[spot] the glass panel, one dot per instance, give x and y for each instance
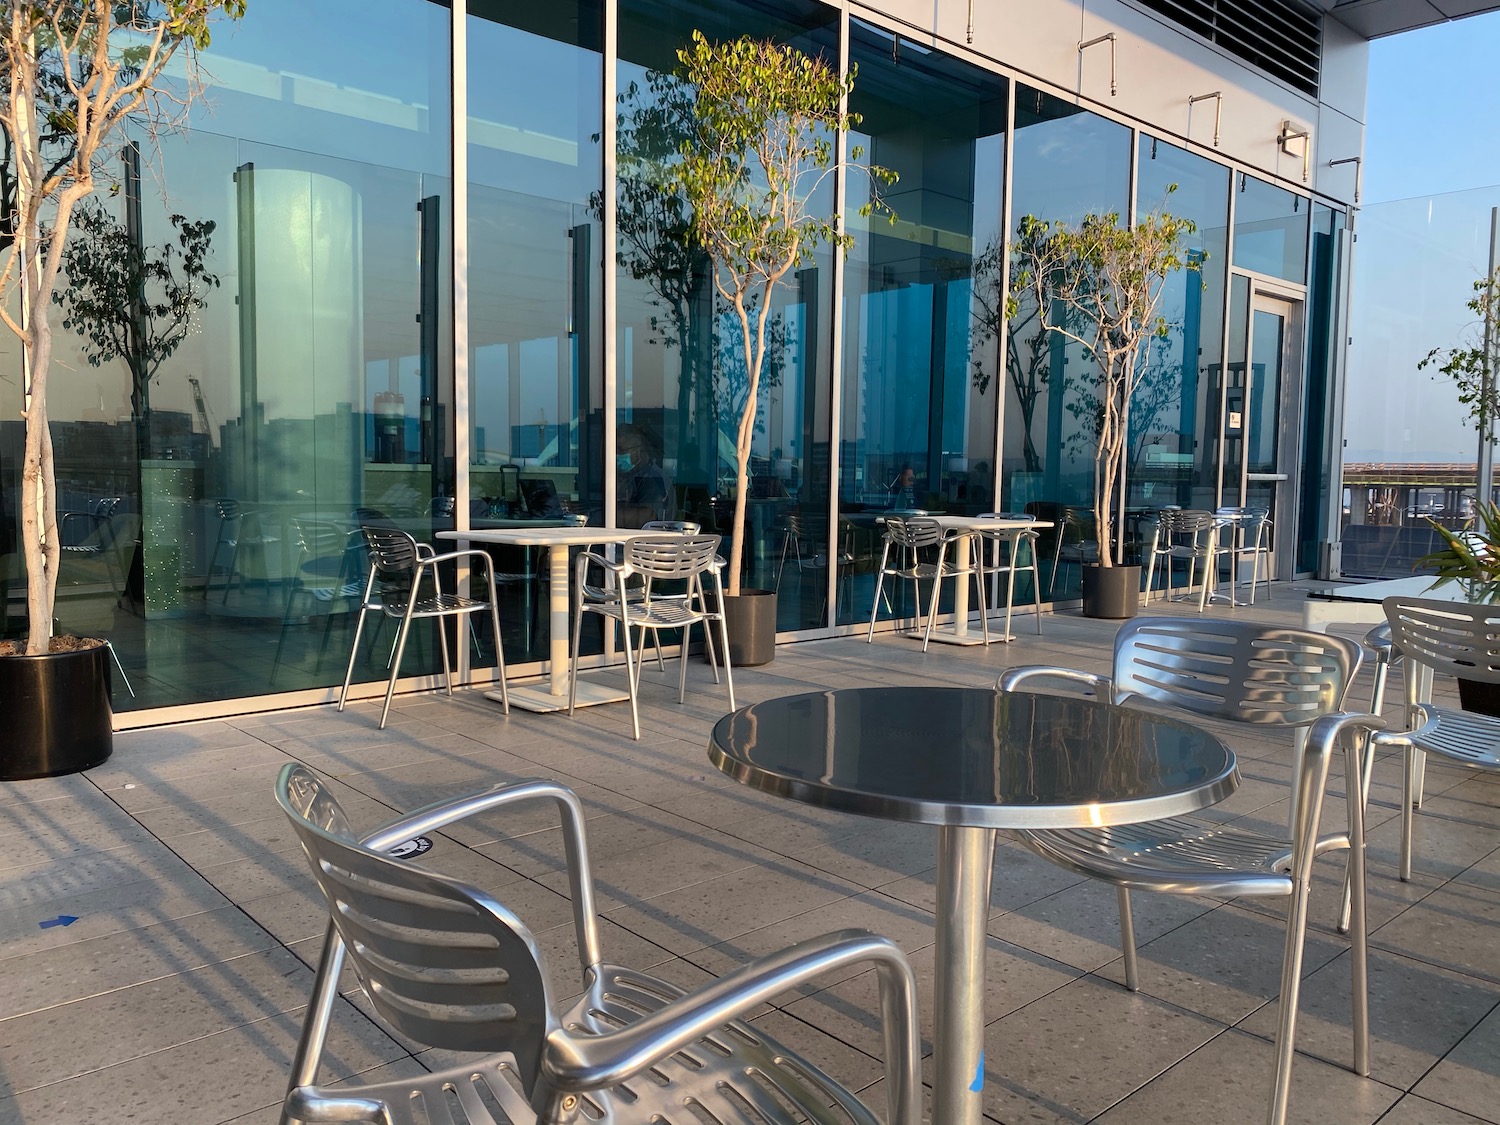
(1267, 341)
(681, 363)
(1270, 230)
(1411, 445)
(1067, 163)
(536, 377)
(1230, 405)
(1171, 429)
(918, 411)
(210, 502)
(1320, 424)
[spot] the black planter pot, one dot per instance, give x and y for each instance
(1478, 696)
(750, 618)
(57, 713)
(1111, 591)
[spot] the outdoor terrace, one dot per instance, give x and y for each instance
(177, 993)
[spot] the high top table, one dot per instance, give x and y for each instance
(970, 761)
(959, 633)
(557, 540)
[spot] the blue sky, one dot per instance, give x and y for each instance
(1433, 104)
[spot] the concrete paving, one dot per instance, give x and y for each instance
(160, 923)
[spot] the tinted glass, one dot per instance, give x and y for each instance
(918, 410)
(1270, 230)
(682, 374)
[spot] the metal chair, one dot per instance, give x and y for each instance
(327, 571)
(799, 532)
(98, 538)
(1462, 640)
(449, 966)
(1258, 675)
(1077, 540)
(1380, 645)
(911, 537)
(398, 564)
(654, 558)
(1013, 541)
(1184, 533)
(1249, 533)
(238, 529)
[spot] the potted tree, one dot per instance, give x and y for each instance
(1473, 558)
(765, 128)
(1099, 284)
(76, 71)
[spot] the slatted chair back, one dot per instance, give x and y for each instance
(1453, 637)
(671, 556)
(913, 533)
(1234, 670)
(318, 539)
(227, 509)
(442, 962)
(1187, 524)
(392, 551)
(677, 527)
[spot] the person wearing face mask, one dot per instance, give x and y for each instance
(644, 489)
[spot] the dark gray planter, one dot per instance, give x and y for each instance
(1479, 696)
(750, 618)
(1111, 591)
(57, 713)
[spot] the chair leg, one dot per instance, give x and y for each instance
(1127, 940)
(359, 628)
(724, 639)
(573, 662)
(442, 640)
(1010, 595)
(499, 651)
(1367, 765)
(632, 671)
(1359, 967)
(1151, 576)
(1036, 591)
(984, 603)
(682, 659)
(879, 584)
(1291, 988)
(120, 668)
(1377, 690)
(1408, 813)
(390, 685)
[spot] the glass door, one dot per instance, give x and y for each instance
(1259, 436)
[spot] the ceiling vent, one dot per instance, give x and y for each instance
(1281, 38)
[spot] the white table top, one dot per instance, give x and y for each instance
(549, 536)
(978, 523)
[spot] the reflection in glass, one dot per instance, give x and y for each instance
(681, 374)
(1320, 425)
(1270, 230)
(536, 381)
(1166, 463)
(1068, 163)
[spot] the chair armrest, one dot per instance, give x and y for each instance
(1016, 679)
(573, 1065)
(433, 557)
(580, 876)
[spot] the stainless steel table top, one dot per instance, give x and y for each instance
(974, 757)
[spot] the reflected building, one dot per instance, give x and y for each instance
(453, 289)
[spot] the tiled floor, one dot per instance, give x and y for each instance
(175, 992)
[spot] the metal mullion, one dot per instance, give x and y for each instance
(836, 350)
(1002, 337)
(458, 100)
(1124, 467)
(1228, 303)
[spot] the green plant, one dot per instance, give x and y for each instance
(766, 123)
(1472, 367)
(1468, 555)
(75, 71)
(1100, 284)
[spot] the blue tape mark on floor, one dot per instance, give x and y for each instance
(60, 920)
(978, 1084)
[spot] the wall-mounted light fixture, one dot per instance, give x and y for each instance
(1359, 170)
(1289, 133)
(1110, 39)
(1218, 97)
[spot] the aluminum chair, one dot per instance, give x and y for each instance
(800, 532)
(1462, 640)
(1077, 540)
(1379, 644)
(1020, 544)
(911, 537)
(1184, 533)
(447, 965)
(1246, 531)
(1257, 675)
(394, 588)
(655, 558)
(98, 539)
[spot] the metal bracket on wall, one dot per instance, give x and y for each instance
(1109, 38)
(1218, 97)
(1290, 133)
(1359, 171)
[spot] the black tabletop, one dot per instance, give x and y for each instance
(974, 756)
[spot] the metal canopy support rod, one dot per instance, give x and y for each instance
(1218, 97)
(1289, 134)
(1109, 38)
(1359, 171)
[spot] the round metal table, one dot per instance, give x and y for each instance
(971, 760)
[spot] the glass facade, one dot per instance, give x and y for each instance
(211, 503)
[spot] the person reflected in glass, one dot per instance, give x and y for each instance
(645, 488)
(904, 488)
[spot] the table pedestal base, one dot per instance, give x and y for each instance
(948, 635)
(541, 700)
(966, 859)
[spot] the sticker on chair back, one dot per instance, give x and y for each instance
(410, 849)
